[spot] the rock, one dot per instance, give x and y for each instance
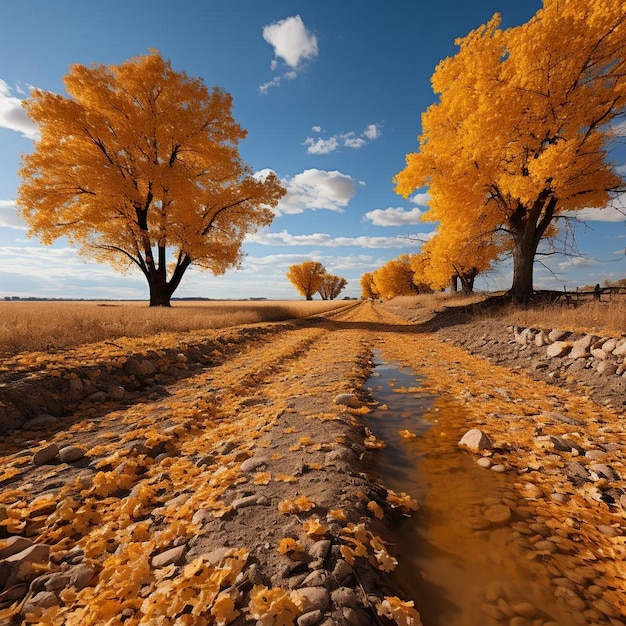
(320, 549)
(562, 444)
(13, 545)
(318, 578)
(241, 503)
(39, 422)
(201, 516)
(56, 582)
(347, 399)
(42, 600)
(484, 462)
(580, 348)
(620, 348)
(69, 454)
(606, 368)
(45, 455)
(498, 467)
(558, 349)
(81, 575)
(475, 440)
(249, 465)
(310, 619)
(610, 531)
(21, 563)
(173, 555)
(525, 609)
(340, 454)
(541, 339)
(118, 393)
(557, 335)
(316, 598)
(139, 368)
(576, 473)
(345, 596)
(498, 514)
(341, 571)
(604, 471)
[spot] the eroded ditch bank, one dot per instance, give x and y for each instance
(473, 554)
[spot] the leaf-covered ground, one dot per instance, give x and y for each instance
(230, 485)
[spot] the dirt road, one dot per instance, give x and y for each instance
(224, 477)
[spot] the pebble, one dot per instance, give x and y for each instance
(347, 399)
(39, 422)
(69, 454)
(475, 440)
(310, 619)
(498, 467)
(43, 600)
(317, 597)
(320, 549)
(341, 571)
(45, 455)
(498, 514)
(173, 555)
(249, 465)
(13, 545)
(484, 462)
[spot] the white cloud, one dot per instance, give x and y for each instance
(316, 189)
(394, 216)
(321, 146)
(291, 40)
(324, 240)
(293, 44)
(614, 211)
(348, 140)
(12, 114)
(9, 217)
(421, 198)
(372, 131)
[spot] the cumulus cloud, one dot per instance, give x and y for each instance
(12, 114)
(614, 211)
(9, 217)
(293, 44)
(321, 146)
(394, 216)
(315, 189)
(422, 199)
(324, 240)
(347, 140)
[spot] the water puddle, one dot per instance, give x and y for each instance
(458, 556)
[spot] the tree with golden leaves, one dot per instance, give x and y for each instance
(307, 277)
(395, 278)
(525, 117)
(140, 167)
(331, 286)
(368, 289)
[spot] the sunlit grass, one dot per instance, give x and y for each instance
(608, 315)
(52, 326)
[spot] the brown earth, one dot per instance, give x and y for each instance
(233, 481)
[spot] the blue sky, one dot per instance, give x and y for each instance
(331, 95)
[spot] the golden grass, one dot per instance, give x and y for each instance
(53, 326)
(607, 316)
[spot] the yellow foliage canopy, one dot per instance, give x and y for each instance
(138, 164)
(307, 277)
(520, 132)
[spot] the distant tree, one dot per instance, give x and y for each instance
(368, 289)
(395, 278)
(524, 123)
(331, 286)
(140, 166)
(307, 277)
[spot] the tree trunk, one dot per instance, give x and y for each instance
(160, 292)
(524, 250)
(309, 296)
(467, 281)
(454, 283)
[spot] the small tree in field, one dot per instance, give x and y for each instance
(140, 166)
(368, 288)
(332, 286)
(307, 277)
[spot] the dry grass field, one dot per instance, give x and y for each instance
(608, 315)
(51, 326)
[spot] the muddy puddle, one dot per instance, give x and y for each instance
(458, 557)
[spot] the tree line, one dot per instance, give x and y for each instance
(311, 277)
